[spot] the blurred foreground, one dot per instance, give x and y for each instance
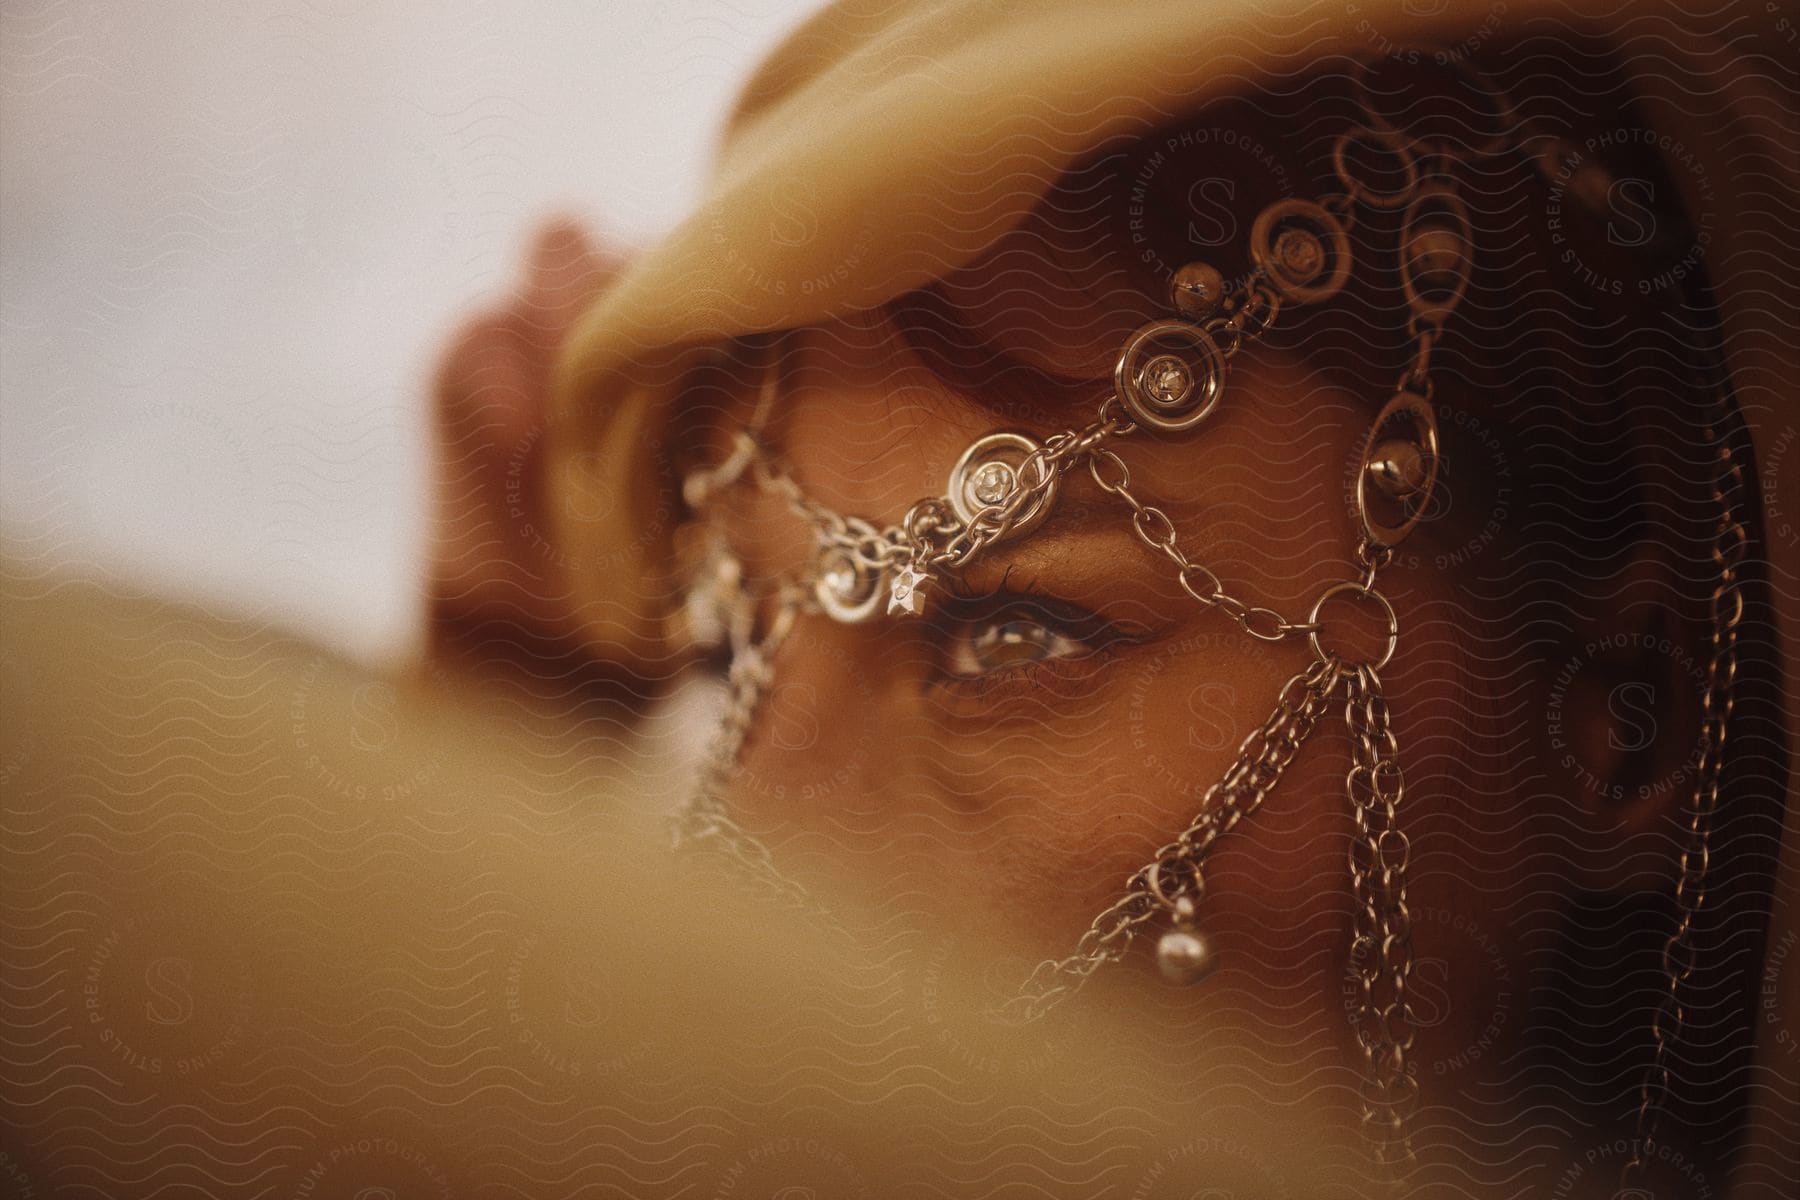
(279, 928)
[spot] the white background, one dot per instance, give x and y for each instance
(234, 237)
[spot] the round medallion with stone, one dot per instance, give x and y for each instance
(1302, 249)
(1170, 375)
(847, 589)
(988, 473)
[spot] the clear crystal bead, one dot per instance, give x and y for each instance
(841, 578)
(1300, 252)
(992, 483)
(1167, 380)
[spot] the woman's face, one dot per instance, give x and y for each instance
(1007, 760)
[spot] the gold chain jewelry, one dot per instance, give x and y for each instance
(1381, 943)
(1153, 528)
(1168, 379)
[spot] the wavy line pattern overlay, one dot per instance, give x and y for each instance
(278, 925)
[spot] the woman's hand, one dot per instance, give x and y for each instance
(499, 597)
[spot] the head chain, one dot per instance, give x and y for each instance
(1169, 378)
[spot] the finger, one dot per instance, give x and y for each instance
(565, 271)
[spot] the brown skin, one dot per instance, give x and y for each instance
(1025, 797)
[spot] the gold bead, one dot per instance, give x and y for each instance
(1398, 468)
(1301, 254)
(1434, 257)
(1197, 290)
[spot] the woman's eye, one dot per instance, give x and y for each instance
(986, 647)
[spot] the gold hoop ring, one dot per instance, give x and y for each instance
(1339, 589)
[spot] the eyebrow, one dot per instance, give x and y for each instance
(1072, 521)
(1080, 514)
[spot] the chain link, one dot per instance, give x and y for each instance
(1417, 376)
(1250, 313)
(867, 544)
(1154, 528)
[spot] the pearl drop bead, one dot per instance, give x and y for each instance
(1184, 957)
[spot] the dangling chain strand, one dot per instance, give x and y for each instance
(1381, 944)
(1175, 874)
(1726, 611)
(704, 820)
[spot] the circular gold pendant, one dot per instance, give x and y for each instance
(1303, 250)
(1170, 376)
(848, 590)
(988, 472)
